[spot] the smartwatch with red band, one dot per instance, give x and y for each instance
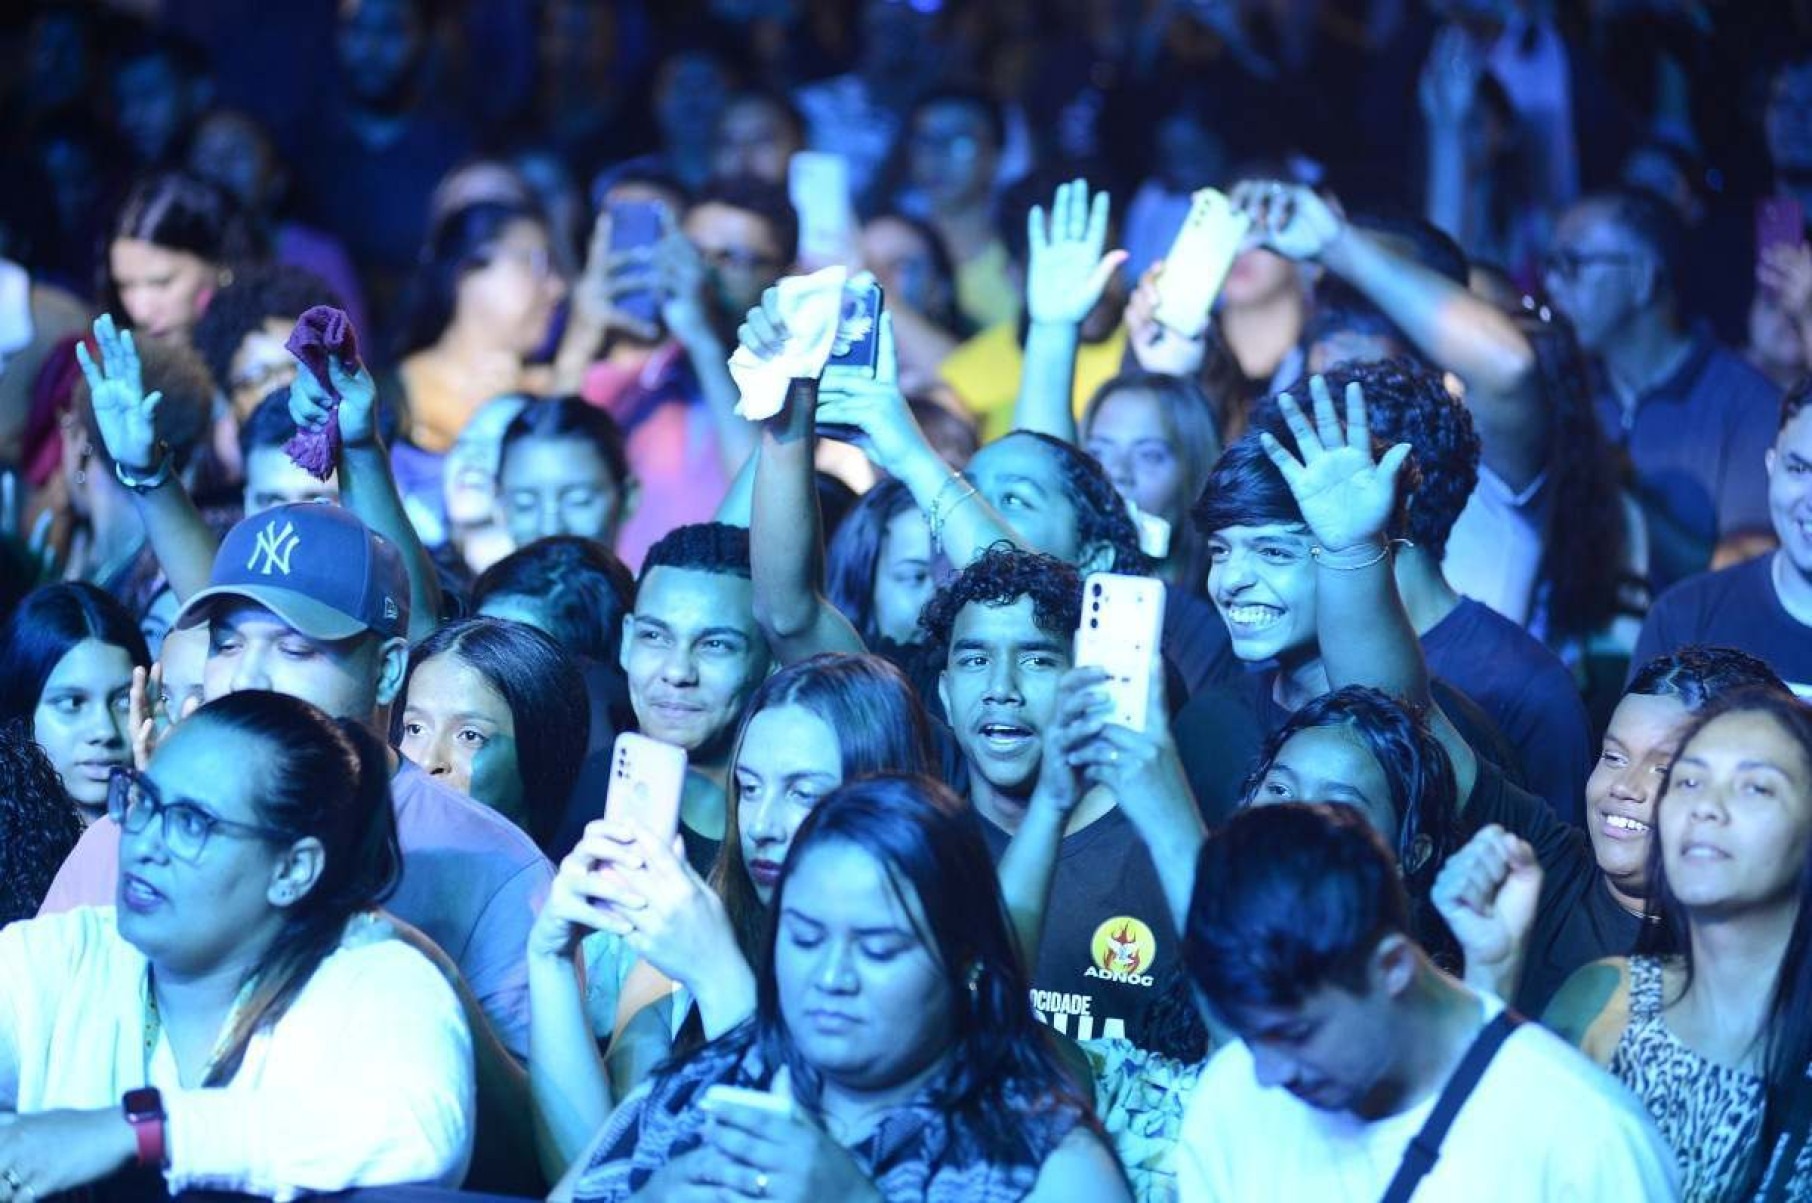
(144, 1110)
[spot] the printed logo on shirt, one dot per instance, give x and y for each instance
(1073, 1015)
(1123, 950)
(276, 544)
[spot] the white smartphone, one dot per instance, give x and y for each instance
(738, 1096)
(1199, 261)
(647, 778)
(818, 185)
(1122, 622)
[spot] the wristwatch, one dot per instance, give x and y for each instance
(155, 478)
(144, 1110)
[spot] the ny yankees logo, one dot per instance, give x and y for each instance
(275, 546)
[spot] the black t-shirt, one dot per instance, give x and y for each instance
(1528, 693)
(1195, 642)
(1109, 947)
(1735, 607)
(1576, 921)
(1221, 732)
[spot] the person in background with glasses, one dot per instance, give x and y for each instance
(238, 994)
(1695, 419)
(664, 377)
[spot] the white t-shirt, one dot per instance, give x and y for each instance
(1494, 551)
(1543, 1125)
(367, 1080)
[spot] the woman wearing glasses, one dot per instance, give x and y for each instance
(238, 1021)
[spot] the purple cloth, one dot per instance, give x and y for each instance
(321, 333)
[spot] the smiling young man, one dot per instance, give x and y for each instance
(1350, 1041)
(694, 653)
(1003, 629)
(1762, 606)
(304, 600)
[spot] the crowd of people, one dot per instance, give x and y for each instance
(402, 400)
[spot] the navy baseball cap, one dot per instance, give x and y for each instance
(317, 567)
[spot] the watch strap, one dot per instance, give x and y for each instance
(155, 478)
(144, 1110)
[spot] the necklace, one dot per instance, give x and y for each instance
(153, 1020)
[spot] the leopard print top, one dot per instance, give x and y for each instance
(1709, 1114)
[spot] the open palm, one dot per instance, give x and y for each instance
(126, 416)
(1346, 497)
(1066, 270)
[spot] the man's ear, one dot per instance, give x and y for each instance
(1648, 280)
(393, 664)
(623, 642)
(1769, 458)
(296, 872)
(1394, 964)
(943, 694)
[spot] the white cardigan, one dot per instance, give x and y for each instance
(367, 1079)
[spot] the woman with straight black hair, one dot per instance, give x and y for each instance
(879, 567)
(809, 727)
(480, 306)
(66, 660)
(576, 590)
(498, 711)
(266, 1036)
(892, 1025)
(175, 242)
(1715, 1037)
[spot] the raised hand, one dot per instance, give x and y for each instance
(872, 404)
(126, 416)
(1291, 219)
(1346, 497)
(1066, 270)
(1786, 271)
(1450, 79)
(1487, 892)
(682, 279)
(311, 404)
(1155, 346)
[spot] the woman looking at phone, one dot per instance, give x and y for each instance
(808, 728)
(892, 1037)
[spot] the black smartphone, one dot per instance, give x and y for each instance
(857, 347)
(634, 226)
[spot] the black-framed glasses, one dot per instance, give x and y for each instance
(1567, 265)
(133, 801)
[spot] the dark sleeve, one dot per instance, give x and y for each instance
(1557, 744)
(1482, 735)
(1218, 737)
(1561, 848)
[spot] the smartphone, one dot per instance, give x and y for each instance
(1122, 622)
(857, 346)
(858, 341)
(1199, 260)
(646, 780)
(634, 226)
(738, 1096)
(818, 185)
(1779, 222)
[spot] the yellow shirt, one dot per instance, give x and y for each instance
(984, 372)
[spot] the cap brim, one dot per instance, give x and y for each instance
(304, 613)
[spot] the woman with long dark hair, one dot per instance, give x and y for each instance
(1716, 1037)
(891, 1023)
(66, 660)
(239, 995)
(175, 242)
(808, 728)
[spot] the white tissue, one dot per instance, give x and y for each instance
(811, 307)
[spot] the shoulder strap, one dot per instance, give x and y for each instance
(1425, 1149)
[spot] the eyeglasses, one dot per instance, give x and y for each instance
(132, 802)
(1567, 265)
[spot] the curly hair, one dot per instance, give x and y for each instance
(1246, 489)
(1423, 792)
(1000, 576)
(1102, 517)
(1406, 402)
(39, 826)
(256, 295)
(1581, 573)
